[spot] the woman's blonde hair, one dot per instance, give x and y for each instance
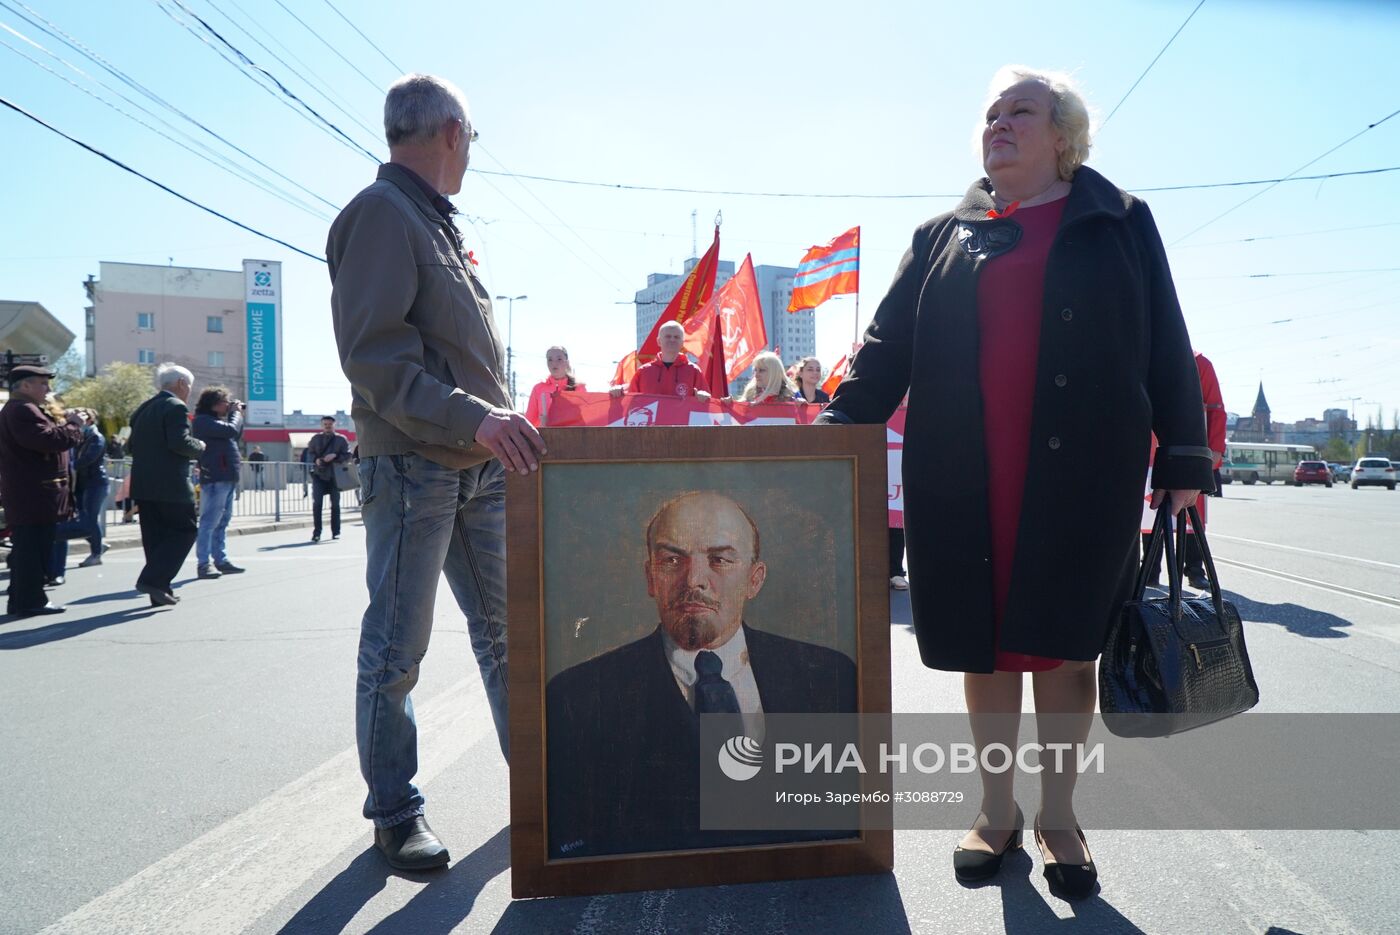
(777, 385)
(1068, 112)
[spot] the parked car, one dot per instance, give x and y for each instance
(1342, 473)
(1312, 472)
(1373, 472)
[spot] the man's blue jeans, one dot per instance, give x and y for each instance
(215, 510)
(423, 520)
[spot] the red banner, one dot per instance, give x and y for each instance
(602, 409)
(694, 292)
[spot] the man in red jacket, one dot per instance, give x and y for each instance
(671, 374)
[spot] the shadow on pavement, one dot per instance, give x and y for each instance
(1025, 911)
(440, 906)
(66, 629)
(859, 904)
(1293, 617)
(288, 545)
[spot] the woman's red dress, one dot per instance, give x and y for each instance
(1010, 302)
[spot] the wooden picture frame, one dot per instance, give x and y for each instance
(579, 581)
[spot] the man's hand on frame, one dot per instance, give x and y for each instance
(510, 437)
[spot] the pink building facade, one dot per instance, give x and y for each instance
(150, 314)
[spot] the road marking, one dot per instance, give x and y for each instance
(1382, 599)
(1294, 548)
(226, 879)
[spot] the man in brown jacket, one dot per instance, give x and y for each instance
(436, 433)
(33, 484)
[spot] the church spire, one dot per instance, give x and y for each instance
(1260, 403)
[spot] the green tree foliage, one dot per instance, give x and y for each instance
(1338, 450)
(114, 393)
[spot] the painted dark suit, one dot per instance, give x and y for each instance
(622, 747)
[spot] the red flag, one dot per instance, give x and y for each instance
(626, 367)
(694, 292)
(833, 380)
(734, 318)
(828, 270)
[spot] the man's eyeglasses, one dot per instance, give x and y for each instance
(470, 131)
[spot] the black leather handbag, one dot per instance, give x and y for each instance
(1174, 663)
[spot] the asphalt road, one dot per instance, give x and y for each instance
(192, 769)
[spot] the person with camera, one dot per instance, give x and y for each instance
(218, 422)
(34, 447)
(326, 449)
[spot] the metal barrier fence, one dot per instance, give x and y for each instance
(275, 489)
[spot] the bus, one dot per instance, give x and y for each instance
(1251, 462)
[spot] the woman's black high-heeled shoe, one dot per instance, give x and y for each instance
(971, 866)
(1068, 881)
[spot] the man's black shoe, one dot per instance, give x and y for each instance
(158, 597)
(41, 611)
(315, 537)
(54, 582)
(411, 845)
(229, 568)
(208, 571)
(1199, 581)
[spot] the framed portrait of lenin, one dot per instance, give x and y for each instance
(674, 592)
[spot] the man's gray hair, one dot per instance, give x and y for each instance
(417, 106)
(168, 374)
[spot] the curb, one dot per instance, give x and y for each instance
(135, 541)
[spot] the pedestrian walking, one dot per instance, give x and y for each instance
(326, 449)
(1043, 308)
(161, 451)
(218, 422)
(256, 459)
(34, 446)
(436, 433)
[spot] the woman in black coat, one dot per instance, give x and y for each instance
(1050, 346)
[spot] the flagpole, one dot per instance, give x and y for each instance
(855, 328)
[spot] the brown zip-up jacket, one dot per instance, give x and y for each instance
(413, 325)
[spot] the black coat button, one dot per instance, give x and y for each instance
(1054, 443)
(1061, 379)
(1066, 313)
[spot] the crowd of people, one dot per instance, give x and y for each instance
(54, 484)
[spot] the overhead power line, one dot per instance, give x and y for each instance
(58, 35)
(322, 39)
(376, 48)
(166, 188)
(1149, 65)
(251, 69)
(322, 88)
(215, 159)
(1289, 177)
(623, 186)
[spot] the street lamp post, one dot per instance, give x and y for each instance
(510, 301)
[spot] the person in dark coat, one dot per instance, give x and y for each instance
(326, 449)
(161, 450)
(33, 484)
(1049, 346)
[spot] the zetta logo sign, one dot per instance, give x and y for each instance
(263, 279)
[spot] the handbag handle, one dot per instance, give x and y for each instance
(1199, 530)
(1162, 539)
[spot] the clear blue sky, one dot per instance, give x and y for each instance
(771, 97)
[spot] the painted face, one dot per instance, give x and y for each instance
(1018, 134)
(701, 570)
(558, 362)
(670, 341)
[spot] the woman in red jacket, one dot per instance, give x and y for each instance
(560, 380)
